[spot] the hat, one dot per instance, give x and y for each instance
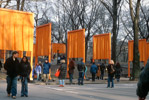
(111, 62)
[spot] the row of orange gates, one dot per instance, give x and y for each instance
(16, 33)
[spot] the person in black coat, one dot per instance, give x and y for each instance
(143, 84)
(25, 70)
(63, 72)
(102, 70)
(118, 71)
(12, 67)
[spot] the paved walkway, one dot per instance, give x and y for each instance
(75, 92)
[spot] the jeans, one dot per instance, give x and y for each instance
(37, 76)
(46, 77)
(81, 78)
(70, 78)
(110, 80)
(101, 76)
(24, 89)
(93, 77)
(12, 85)
(61, 82)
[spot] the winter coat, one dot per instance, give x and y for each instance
(81, 67)
(143, 84)
(63, 71)
(111, 70)
(93, 69)
(12, 67)
(25, 69)
(118, 71)
(38, 69)
(46, 67)
(71, 67)
(102, 68)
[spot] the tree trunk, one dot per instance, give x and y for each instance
(18, 4)
(114, 30)
(136, 56)
(86, 49)
(22, 5)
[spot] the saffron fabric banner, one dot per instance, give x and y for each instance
(76, 44)
(142, 50)
(43, 41)
(28, 53)
(16, 30)
(102, 46)
(58, 47)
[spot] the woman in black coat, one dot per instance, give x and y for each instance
(25, 70)
(63, 72)
(118, 71)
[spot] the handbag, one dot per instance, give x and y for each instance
(57, 73)
(112, 70)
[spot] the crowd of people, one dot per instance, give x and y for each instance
(15, 68)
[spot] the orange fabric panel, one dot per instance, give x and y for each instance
(102, 46)
(20, 54)
(142, 50)
(28, 53)
(147, 50)
(2, 54)
(130, 50)
(43, 40)
(58, 46)
(76, 44)
(16, 30)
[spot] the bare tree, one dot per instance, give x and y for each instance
(4, 4)
(135, 19)
(114, 8)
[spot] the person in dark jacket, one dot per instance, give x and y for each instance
(71, 70)
(63, 72)
(118, 71)
(111, 72)
(102, 70)
(0, 65)
(25, 70)
(12, 67)
(93, 71)
(81, 69)
(46, 68)
(143, 83)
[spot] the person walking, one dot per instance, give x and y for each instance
(111, 72)
(63, 72)
(25, 70)
(71, 70)
(12, 67)
(46, 68)
(93, 71)
(38, 71)
(118, 71)
(81, 69)
(102, 70)
(98, 71)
